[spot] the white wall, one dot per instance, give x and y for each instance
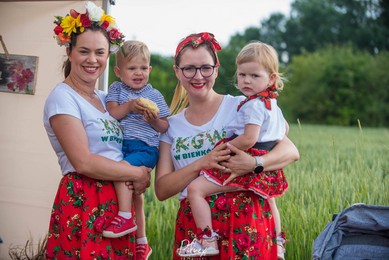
(29, 172)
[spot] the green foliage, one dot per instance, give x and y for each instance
(111, 74)
(339, 166)
(160, 223)
(334, 54)
(162, 76)
(314, 24)
(225, 83)
(338, 86)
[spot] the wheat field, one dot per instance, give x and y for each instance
(339, 166)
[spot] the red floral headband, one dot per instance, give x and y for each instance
(195, 40)
(76, 23)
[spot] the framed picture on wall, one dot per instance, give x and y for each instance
(18, 73)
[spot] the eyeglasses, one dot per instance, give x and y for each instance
(189, 72)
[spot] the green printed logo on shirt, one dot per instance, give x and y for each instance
(113, 131)
(197, 145)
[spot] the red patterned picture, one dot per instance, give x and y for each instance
(18, 73)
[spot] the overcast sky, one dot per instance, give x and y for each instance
(161, 24)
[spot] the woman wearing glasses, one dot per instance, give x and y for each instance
(242, 219)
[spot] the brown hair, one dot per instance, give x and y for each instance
(73, 41)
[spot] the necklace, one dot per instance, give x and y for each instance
(80, 91)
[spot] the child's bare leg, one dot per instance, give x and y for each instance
(276, 215)
(198, 190)
(277, 223)
(143, 250)
(124, 196)
(122, 224)
(206, 245)
(140, 216)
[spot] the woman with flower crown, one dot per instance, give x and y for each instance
(242, 219)
(87, 141)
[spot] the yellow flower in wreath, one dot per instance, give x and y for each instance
(70, 24)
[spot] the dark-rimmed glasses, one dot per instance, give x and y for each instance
(189, 72)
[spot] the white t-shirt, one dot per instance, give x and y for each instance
(190, 142)
(272, 122)
(105, 136)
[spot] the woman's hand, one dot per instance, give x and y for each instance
(283, 154)
(215, 158)
(143, 181)
(239, 164)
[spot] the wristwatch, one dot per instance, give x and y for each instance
(258, 164)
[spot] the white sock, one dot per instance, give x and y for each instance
(214, 234)
(141, 240)
(124, 214)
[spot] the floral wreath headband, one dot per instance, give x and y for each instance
(195, 40)
(76, 23)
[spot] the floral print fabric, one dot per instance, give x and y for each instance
(242, 219)
(82, 208)
(268, 184)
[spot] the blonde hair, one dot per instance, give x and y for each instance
(265, 55)
(131, 49)
(180, 99)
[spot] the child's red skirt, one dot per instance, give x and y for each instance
(268, 184)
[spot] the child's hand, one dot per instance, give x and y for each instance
(150, 116)
(136, 106)
(149, 105)
(231, 178)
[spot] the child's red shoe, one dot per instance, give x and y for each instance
(119, 227)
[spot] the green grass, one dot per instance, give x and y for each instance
(339, 166)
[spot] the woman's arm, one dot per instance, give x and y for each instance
(169, 182)
(283, 154)
(74, 141)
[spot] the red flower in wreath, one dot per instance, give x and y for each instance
(86, 22)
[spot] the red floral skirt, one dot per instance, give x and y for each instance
(268, 184)
(242, 219)
(82, 208)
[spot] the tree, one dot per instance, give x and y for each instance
(315, 23)
(162, 76)
(338, 86)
